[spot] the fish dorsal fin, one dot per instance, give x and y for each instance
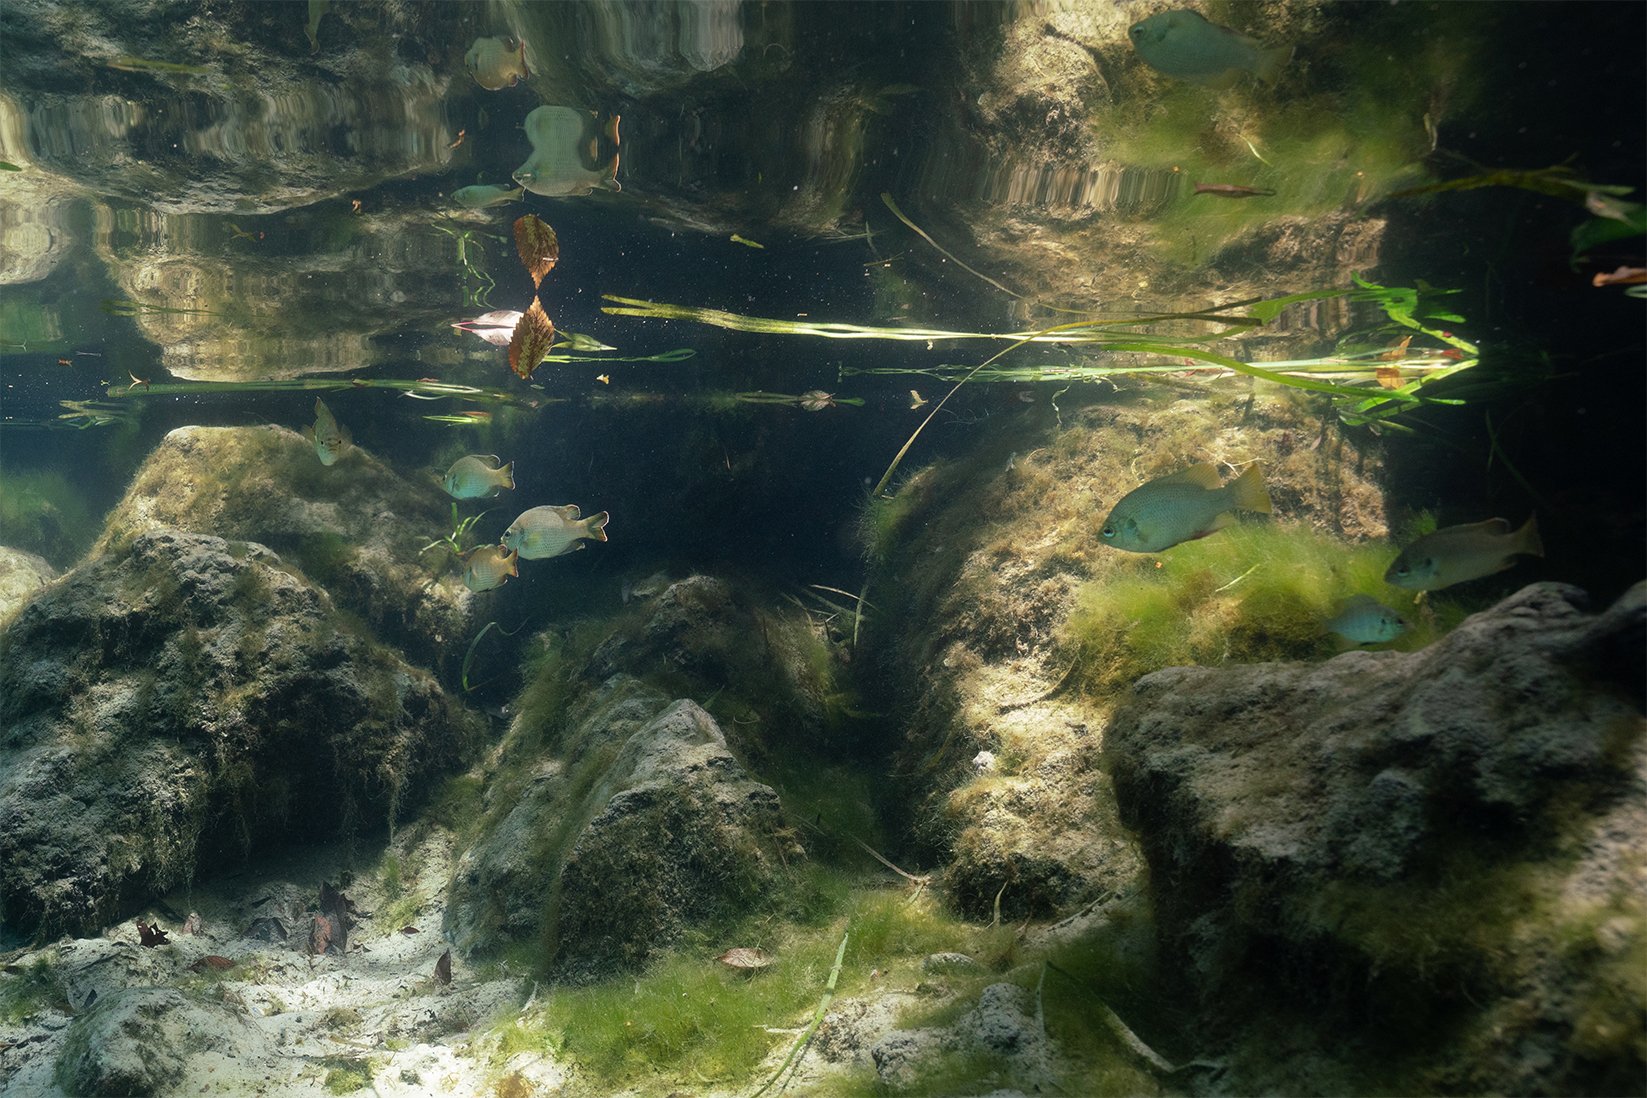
(569, 512)
(1495, 526)
(1204, 475)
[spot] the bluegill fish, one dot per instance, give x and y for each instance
(1183, 44)
(1458, 553)
(477, 477)
(481, 195)
(1182, 507)
(1365, 620)
(565, 153)
(545, 532)
(328, 439)
(488, 567)
(497, 63)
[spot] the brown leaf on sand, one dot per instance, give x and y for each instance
(538, 247)
(534, 334)
(443, 969)
(211, 960)
(151, 936)
(746, 959)
(409, 930)
(320, 935)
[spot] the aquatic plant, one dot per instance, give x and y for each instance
(455, 539)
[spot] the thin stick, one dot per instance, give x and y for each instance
(899, 214)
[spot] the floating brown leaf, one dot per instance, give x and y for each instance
(745, 958)
(443, 968)
(212, 960)
(538, 247)
(534, 335)
(151, 936)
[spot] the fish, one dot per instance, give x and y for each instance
(1182, 507)
(470, 477)
(1455, 554)
(496, 327)
(482, 195)
(1232, 190)
(489, 567)
(1183, 44)
(497, 63)
(1364, 620)
(545, 532)
(329, 440)
(556, 168)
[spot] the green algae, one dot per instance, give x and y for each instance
(1255, 592)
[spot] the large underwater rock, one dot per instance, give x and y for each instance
(637, 824)
(21, 574)
(1431, 861)
(976, 566)
(355, 528)
(178, 700)
(137, 1041)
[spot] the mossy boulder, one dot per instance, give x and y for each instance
(178, 700)
(1426, 865)
(355, 528)
(994, 594)
(635, 826)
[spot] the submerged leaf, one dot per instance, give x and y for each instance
(745, 958)
(212, 960)
(443, 968)
(533, 337)
(151, 935)
(539, 249)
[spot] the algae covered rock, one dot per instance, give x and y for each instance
(639, 825)
(176, 701)
(355, 528)
(137, 1041)
(1434, 852)
(21, 575)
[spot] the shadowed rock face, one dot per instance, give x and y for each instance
(178, 700)
(1411, 845)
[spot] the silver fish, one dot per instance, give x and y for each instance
(559, 137)
(1365, 620)
(545, 532)
(477, 477)
(497, 63)
(488, 567)
(1181, 507)
(481, 195)
(1183, 44)
(1455, 554)
(329, 440)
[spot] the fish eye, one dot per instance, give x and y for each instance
(1109, 530)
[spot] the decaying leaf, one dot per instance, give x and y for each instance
(443, 968)
(1389, 377)
(538, 247)
(533, 337)
(744, 958)
(1398, 352)
(192, 925)
(151, 936)
(409, 930)
(212, 960)
(816, 400)
(320, 935)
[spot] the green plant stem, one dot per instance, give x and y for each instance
(812, 1027)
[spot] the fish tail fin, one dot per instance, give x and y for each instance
(1527, 538)
(612, 129)
(596, 525)
(1271, 62)
(610, 179)
(1248, 493)
(506, 476)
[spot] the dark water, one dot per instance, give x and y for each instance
(230, 188)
